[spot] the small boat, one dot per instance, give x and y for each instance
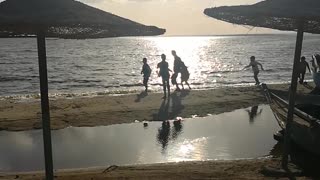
(305, 128)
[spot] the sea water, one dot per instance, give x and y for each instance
(113, 65)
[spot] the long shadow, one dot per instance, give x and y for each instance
(165, 113)
(177, 106)
(141, 96)
(165, 132)
(184, 93)
(308, 86)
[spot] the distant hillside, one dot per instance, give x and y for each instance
(66, 19)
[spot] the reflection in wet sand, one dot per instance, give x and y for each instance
(166, 133)
(253, 113)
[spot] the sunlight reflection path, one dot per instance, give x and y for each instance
(195, 52)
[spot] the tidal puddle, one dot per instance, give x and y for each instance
(234, 135)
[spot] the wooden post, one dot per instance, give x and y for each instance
(292, 93)
(41, 41)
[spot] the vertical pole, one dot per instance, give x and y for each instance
(292, 93)
(41, 41)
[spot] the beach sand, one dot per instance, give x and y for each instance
(107, 110)
(228, 170)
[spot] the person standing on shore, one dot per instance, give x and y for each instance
(146, 71)
(254, 64)
(176, 68)
(302, 69)
(165, 75)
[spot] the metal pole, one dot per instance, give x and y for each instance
(292, 94)
(41, 41)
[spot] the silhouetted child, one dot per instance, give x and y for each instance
(177, 63)
(303, 65)
(146, 71)
(254, 64)
(165, 75)
(184, 75)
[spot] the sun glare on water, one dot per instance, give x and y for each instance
(190, 150)
(193, 51)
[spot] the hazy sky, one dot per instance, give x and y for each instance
(179, 17)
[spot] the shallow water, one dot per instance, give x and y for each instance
(226, 136)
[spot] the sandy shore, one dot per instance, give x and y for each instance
(107, 110)
(267, 168)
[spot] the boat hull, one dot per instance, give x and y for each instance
(316, 78)
(305, 129)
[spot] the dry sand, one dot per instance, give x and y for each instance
(107, 110)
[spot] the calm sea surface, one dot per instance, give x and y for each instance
(113, 65)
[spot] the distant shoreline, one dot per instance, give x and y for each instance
(212, 35)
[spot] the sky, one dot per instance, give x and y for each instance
(178, 17)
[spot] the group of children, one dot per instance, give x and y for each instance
(164, 73)
(302, 67)
(180, 67)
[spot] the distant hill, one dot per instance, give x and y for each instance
(66, 19)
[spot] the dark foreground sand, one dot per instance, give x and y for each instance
(107, 110)
(228, 170)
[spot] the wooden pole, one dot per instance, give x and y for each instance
(292, 93)
(41, 41)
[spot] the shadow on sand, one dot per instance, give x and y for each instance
(140, 96)
(167, 113)
(308, 86)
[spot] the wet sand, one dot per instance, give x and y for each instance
(107, 110)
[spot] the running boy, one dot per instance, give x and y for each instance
(254, 64)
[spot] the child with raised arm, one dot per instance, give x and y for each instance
(254, 64)
(146, 71)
